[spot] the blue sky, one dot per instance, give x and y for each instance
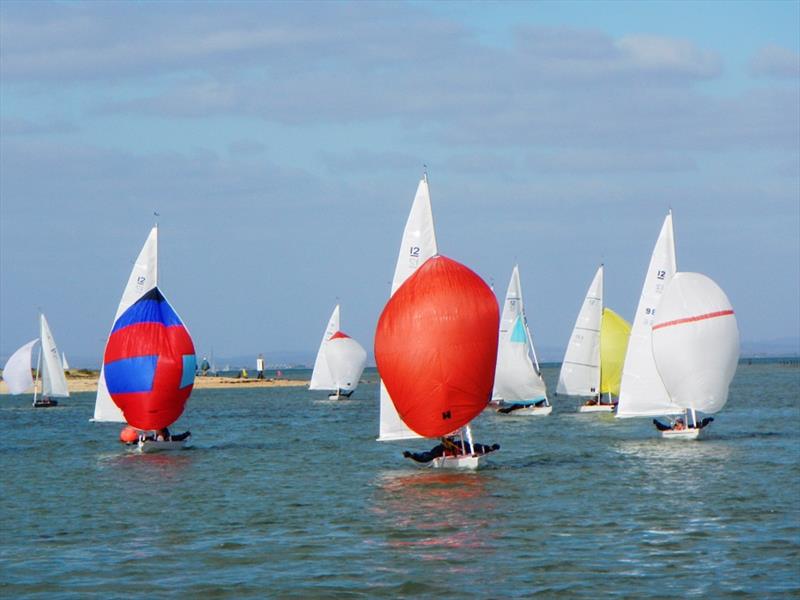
(282, 144)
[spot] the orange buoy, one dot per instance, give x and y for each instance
(128, 435)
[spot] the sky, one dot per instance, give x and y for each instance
(281, 145)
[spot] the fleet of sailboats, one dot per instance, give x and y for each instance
(438, 360)
(340, 361)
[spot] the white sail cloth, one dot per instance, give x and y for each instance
(17, 370)
(642, 392)
(580, 370)
(417, 246)
(54, 383)
(143, 278)
(696, 342)
(517, 376)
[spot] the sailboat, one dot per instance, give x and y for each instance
(592, 365)
(149, 362)
(340, 361)
(436, 349)
(417, 248)
(64, 362)
(695, 322)
(518, 383)
(695, 348)
(17, 370)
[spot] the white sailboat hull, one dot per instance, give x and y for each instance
(682, 434)
(151, 446)
(596, 408)
(456, 462)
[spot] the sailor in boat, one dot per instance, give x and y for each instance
(516, 406)
(679, 424)
(131, 436)
(452, 445)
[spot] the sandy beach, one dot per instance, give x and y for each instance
(87, 382)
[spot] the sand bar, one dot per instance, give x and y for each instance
(87, 382)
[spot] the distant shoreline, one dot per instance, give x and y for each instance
(86, 381)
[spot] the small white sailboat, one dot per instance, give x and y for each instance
(518, 383)
(340, 361)
(64, 362)
(17, 371)
(592, 365)
(696, 349)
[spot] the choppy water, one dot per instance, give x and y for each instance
(283, 495)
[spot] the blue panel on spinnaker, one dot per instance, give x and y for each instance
(131, 374)
(189, 367)
(150, 308)
(518, 333)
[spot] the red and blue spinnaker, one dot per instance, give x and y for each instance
(149, 363)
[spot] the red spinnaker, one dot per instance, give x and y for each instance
(436, 347)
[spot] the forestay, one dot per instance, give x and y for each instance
(696, 342)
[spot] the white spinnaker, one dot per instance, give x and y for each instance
(642, 391)
(54, 383)
(696, 342)
(517, 376)
(17, 370)
(346, 360)
(580, 371)
(143, 278)
(321, 378)
(417, 246)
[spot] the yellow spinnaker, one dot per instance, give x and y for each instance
(614, 333)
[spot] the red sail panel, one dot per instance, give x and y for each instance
(436, 347)
(149, 363)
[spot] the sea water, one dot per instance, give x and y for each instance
(286, 494)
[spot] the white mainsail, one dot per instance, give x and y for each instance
(517, 375)
(54, 383)
(417, 246)
(17, 370)
(696, 342)
(143, 278)
(321, 378)
(642, 391)
(580, 370)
